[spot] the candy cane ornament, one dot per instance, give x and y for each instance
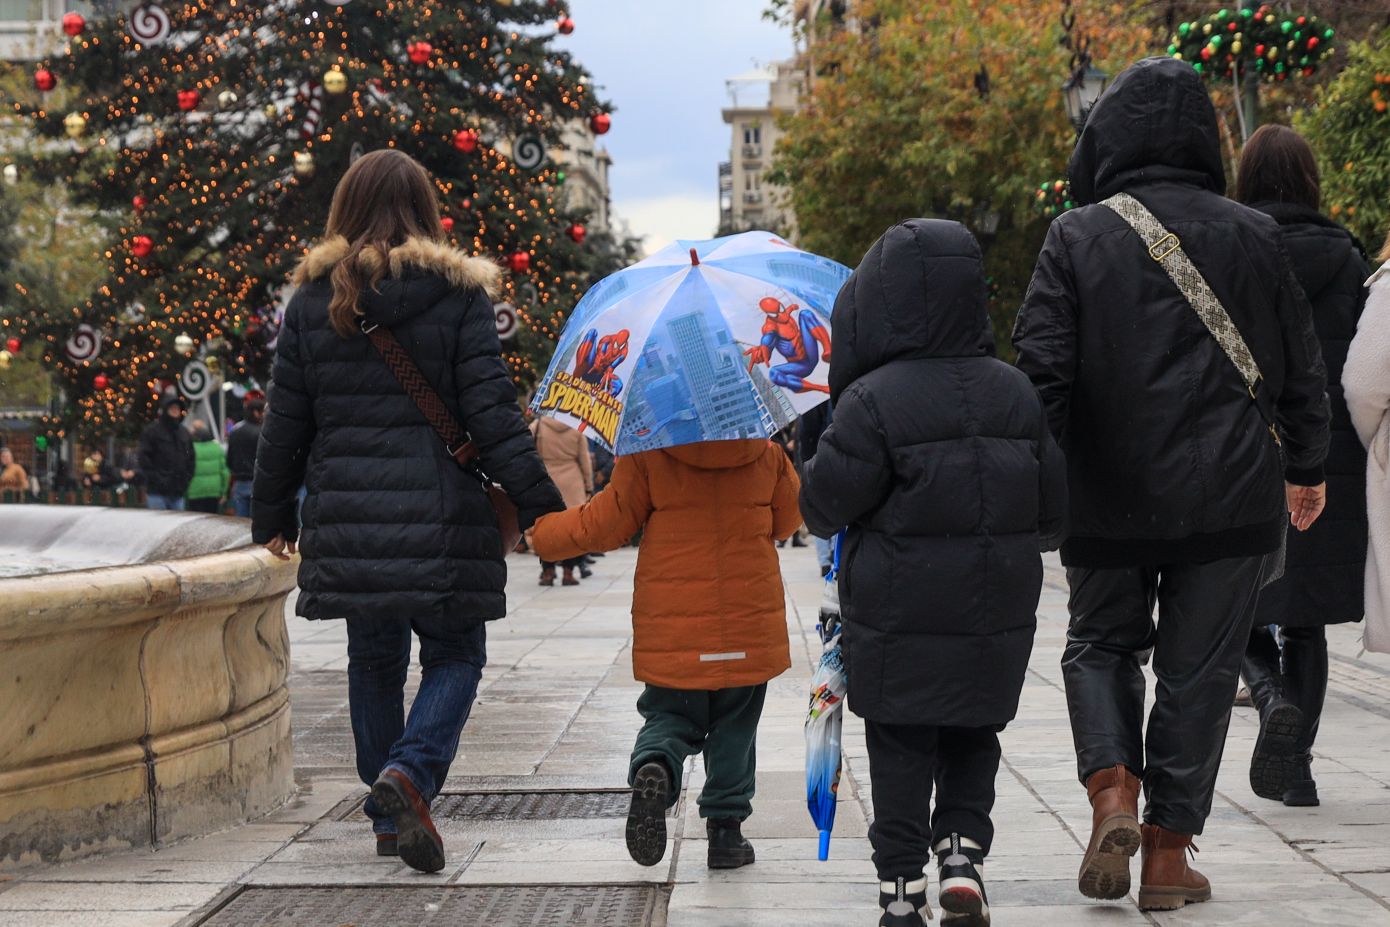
(313, 116)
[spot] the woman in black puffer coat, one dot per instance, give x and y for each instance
(396, 536)
(1323, 580)
(941, 464)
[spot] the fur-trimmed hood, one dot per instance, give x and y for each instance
(459, 270)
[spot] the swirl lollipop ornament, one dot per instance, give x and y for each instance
(196, 381)
(84, 345)
(528, 152)
(148, 24)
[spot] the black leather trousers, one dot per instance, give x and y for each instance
(1205, 611)
(1296, 671)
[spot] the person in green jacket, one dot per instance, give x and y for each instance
(210, 474)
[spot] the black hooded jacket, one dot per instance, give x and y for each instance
(1169, 459)
(166, 454)
(1324, 578)
(940, 462)
(393, 528)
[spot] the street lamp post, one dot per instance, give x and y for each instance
(1082, 90)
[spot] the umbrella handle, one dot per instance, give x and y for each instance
(824, 853)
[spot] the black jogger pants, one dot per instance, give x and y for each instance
(1205, 611)
(905, 761)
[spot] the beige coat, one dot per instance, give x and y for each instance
(1366, 380)
(565, 453)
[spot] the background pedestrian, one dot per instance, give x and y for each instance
(241, 454)
(208, 488)
(166, 457)
(1322, 582)
(566, 455)
(396, 536)
(12, 476)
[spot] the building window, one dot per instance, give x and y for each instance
(752, 135)
(21, 10)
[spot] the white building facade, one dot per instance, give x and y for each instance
(746, 199)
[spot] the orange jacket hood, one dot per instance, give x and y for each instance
(719, 455)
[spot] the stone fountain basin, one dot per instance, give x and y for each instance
(142, 680)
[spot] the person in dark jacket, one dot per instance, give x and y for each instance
(809, 429)
(166, 457)
(1322, 582)
(1178, 489)
(396, 535)
(941, 465)
(241, 454)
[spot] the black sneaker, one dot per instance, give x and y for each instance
(961, 862)
(727, 847)
(646, 817)
(1302, 789)
(1272, 762)
(904, 903)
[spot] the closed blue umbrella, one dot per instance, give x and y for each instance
(826, 714)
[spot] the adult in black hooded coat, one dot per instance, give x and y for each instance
(1323, 580)
(397, 537)
(1177, 482)
(166, 456)
(940, 463)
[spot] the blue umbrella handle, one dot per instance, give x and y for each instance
(824, 852)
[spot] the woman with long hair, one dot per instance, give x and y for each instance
(396, 535)
(1287, 673)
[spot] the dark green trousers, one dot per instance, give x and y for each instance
(722, 724)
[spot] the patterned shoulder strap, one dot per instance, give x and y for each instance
(1165, 248)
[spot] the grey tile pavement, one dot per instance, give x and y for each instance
(556, 711)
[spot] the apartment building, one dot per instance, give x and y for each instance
(32, 29)
(746, 199)
(586, 164)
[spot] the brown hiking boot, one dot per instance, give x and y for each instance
(1167, 882)
(1115, 835)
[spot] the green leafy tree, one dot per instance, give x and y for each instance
(1349, 127)
(213, 132)
(949, 109)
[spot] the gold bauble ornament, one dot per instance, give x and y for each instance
(271, 111)
(5, 358)
(304, 164)
(76, 124)
(11, 174)
(335, 81)
(184, 343)
(227, 99)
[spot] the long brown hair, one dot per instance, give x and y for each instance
(1278, 165)
(385, 198)
(1385, 252)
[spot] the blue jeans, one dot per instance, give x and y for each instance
(422, 746)
(241, 498)
(164, 503)
(825, 551)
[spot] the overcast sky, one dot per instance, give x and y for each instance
(663, 64)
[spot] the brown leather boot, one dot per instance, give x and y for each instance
(1166, 882)
(1115, 835)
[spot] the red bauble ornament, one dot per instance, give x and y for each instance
(448, 223)
(600, 123)
(419, 52)
(577, 232)
(74, 24)
(142, 246)
(101, 381)
(44, 79)
(466, 140)
(519, 262)
(1312, 43)
(138, 203)
(565, 25)
(189, 99)
(12, 345)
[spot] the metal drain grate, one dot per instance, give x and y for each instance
(521, 806)
(462, 906)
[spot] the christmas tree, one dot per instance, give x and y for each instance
(213, 133)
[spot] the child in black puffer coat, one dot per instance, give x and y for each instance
(941, 465)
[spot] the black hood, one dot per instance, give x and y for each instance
(1155, 122)
(1317, 244)
(169, 402)
(918, 292)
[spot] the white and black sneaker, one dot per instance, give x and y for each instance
(904, 903)
(961, 863)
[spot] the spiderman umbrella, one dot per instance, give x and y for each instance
(702, 341)
(826, 714)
